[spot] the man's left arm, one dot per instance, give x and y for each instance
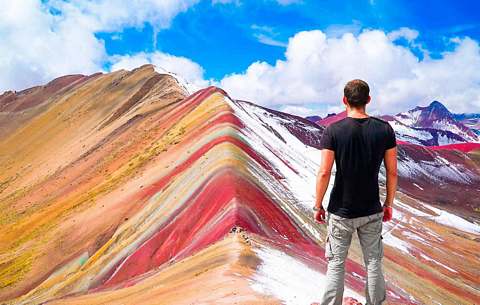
(323, 176)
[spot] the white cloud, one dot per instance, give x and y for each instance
(36, 46)
(403, 32)
(298, 110)
(41, 41)
(262, 28)
(265, 39)
(182, 66)
(317, 67)
(337, 30)
(112, 15)
(266, 35)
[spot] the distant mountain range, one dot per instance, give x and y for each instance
(432, 125)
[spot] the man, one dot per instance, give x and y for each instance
(358, 144)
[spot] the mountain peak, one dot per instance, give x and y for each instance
(437, 105)
(437, 117)
(435, 111)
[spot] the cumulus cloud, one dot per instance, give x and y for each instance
(36, 46)
(182, 66)
(43, 40)
(316, 67)
(407, 33)
(111, 15)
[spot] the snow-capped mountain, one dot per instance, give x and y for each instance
(431, 125)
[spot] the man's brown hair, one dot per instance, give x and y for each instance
(356, 91)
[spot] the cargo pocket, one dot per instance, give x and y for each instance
(328, 248)
(381, 246)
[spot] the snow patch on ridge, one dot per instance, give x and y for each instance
(186, 86)
(396, 242)
(454, 221)
(409, 134)
(289, 156)
(289, 279)
(439, 216)
(437, 262)
(439, 170)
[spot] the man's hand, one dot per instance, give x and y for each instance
(387, 213)
(390, 161)
(320, 215)
(323, 178)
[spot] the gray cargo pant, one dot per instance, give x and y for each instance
(339, 236)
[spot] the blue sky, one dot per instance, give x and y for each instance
(291, 55)
(224, 38)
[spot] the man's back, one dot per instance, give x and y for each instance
(359, 145)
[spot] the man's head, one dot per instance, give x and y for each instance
(356, 93)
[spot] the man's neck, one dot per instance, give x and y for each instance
(357, 113)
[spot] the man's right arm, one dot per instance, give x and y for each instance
(390, 161)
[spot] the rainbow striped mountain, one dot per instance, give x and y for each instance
(129, 188)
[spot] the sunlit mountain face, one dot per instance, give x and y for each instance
(132, 188)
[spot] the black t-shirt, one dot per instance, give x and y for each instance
(359, 145)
